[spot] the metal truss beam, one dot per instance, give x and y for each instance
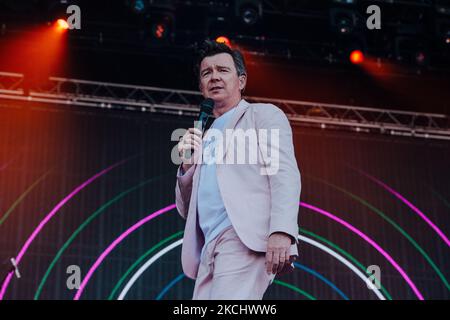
(72, 92)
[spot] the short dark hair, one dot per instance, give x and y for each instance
(210, 48)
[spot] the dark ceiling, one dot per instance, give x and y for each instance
(294, 49)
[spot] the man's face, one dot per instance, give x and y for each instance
(219, 80)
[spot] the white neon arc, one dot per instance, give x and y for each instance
(141, 270)
(312, 242)
(366, 279)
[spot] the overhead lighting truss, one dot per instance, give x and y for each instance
(63, 93)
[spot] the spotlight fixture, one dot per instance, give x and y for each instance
(249, 12)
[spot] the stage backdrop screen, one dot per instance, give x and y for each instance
(87, 210)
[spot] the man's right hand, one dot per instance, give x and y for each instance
(190, 141)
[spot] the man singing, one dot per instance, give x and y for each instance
(242, 222)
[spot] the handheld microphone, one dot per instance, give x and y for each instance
(206, 110)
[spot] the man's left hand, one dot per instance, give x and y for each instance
(277, 254)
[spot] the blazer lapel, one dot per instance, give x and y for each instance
(238, 113)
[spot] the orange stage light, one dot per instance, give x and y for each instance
(223, 39)
(356, 57)
(61, 25)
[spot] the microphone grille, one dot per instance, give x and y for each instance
(207, 106)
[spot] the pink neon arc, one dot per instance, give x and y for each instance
(114, 244)
(349, 226)
(371, 242)
(47, 219)
(409, 204)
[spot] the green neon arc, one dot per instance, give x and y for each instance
(169, 238)
(395, 225)
(22, 197)
(322, 239)
(84, 225)
(349, 256)
(138, 261)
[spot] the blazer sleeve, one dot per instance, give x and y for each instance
(183, 190)
(285, 183)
